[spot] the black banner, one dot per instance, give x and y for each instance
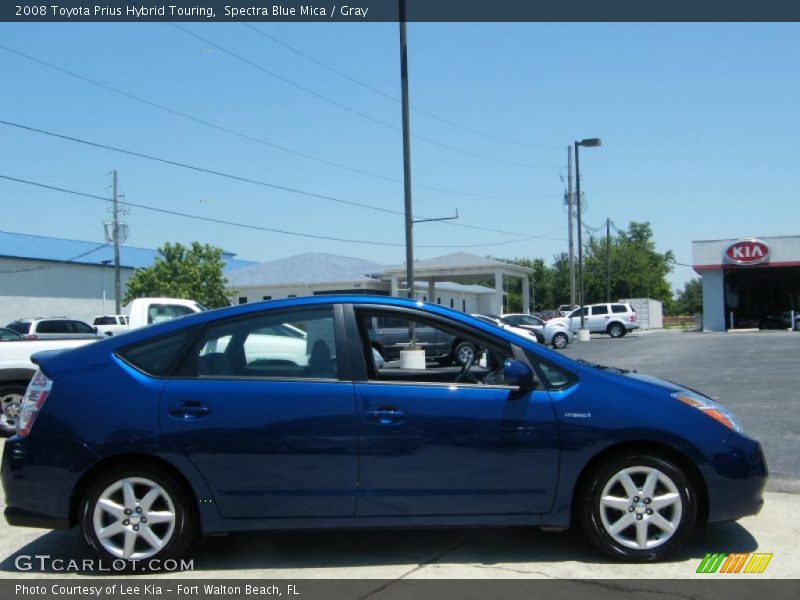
(387, 10)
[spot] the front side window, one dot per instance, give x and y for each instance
(81, 327)
(445, 353)
(294, 344)
(578, 312)
(105, 321)
(158, 313)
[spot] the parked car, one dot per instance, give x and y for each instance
(615, 319)
(566, 309)
(498, 322)
(145, 446)
(389, 336)
(111, 324)
(786, 320)
(53, 328)
(555, 332)
(9, 334)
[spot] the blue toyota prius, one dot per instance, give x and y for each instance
(316, 413)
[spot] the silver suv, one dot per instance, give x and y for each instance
(53, 328)
(615, 319)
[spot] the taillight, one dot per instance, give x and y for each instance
(31, 336)
(37, 392)
(633, 317)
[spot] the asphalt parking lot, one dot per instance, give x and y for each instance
(754, 374)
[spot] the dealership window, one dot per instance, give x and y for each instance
(452, 303)
(292, 296)
(463, 305)
(438, 300)
(292, 344)
(266, 297)
(242, 299)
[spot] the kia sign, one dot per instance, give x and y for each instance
(747, 252)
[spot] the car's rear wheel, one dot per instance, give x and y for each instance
(640, 508)
(137, 515)
(10, 402)
(560, 340)
(616, 330)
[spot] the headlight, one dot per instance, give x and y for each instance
(710, 408)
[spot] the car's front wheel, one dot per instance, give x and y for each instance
(560, 340)
(137, 515)
(640, 507)
(10, 402)
(464, 353)
(616, 330)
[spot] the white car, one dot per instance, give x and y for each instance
(111, 324)
(521, 331)
(555, 332)
(615, 319)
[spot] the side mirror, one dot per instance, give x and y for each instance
(516, 372)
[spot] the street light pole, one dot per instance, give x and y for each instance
(586, 143)
(406, 153)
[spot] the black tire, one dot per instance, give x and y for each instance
(461, 352)
(616, 330)
(539, 336)
(560, 340)
(184, 532)
(10, 401)
(591, 519)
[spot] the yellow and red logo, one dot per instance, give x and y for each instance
(736, 562)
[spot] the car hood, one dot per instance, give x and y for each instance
(664, 385)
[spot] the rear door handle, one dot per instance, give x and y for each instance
(189, 410)
(385, 416)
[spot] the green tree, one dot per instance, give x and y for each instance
(193, 272)
(690, 298)
(637, 269)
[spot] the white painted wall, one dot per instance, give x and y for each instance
(56, 290)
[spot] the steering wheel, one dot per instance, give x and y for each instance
(464, 375)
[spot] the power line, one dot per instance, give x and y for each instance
(239, 177)
(352, 110)
(255, 139)
(251, 226)
(380, 92)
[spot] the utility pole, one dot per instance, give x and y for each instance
(115, 234)
(406, 154)
(570, 219)
(608, 260)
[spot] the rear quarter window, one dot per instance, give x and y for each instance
(22, 328)
(159, 356)
(619, 308)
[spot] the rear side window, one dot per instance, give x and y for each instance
(160, 356)
(19, 327)
(600, 310)
(54, 327)
(619, 308)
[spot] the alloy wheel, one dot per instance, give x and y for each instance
(10, 403)
(640, 507)
(134, 518)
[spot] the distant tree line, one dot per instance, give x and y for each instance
(637, 271)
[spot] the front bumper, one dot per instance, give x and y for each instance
(736, 487)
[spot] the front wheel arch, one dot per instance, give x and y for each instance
(642, 447)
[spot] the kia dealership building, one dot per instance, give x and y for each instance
(753, 282)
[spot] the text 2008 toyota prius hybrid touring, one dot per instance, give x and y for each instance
(298, 413)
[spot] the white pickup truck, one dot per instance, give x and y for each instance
(16, 368)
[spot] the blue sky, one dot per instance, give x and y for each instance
(699, 125)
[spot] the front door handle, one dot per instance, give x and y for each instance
(189, 410)
(385, 415)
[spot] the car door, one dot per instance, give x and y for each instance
(431, 445)
(263, 406)
(598, 318)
